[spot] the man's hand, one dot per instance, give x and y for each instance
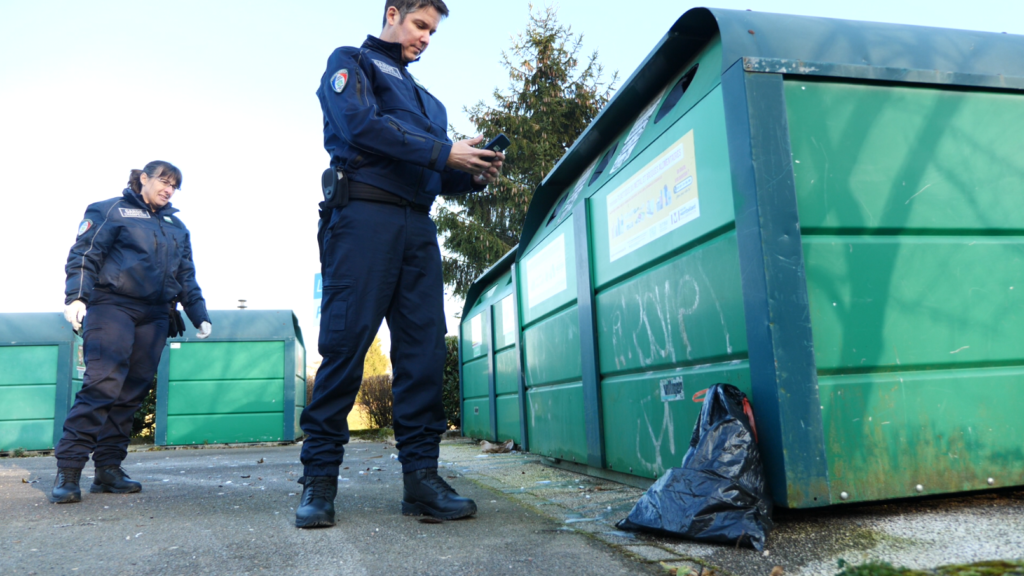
(466, 157)
(492, 172)
(75, 314)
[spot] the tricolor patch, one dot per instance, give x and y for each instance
(339, 80)
(84, 227)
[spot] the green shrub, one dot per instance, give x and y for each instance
(450, 389)
(144, 421)
(18, 452)
(376, 397)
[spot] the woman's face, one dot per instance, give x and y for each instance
(157, 191)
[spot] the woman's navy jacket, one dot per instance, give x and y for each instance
(126, 249)
(384, 129)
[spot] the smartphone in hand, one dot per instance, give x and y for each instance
(498, 144)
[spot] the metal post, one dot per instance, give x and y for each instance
(588, 339)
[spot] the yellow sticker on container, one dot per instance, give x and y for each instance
(659, 198)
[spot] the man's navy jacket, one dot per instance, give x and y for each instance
(126, 249)
(382, 128)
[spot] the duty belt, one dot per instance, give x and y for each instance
(368, 193)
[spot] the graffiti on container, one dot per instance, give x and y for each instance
(656, 438)
(644, 323)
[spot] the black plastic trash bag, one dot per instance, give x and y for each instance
(719, 494)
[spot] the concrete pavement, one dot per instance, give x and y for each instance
(219, 511)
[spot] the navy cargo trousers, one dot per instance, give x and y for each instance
(380, 261)
(122, 346)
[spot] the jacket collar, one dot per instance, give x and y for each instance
(136, 199)
(392, 50)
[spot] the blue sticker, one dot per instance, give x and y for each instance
(84, 227)
(339, 80)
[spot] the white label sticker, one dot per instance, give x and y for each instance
(175, 345)
(476, 330)
(508, 317)
(635, 132)
(545, 272)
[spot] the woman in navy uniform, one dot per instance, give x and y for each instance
(131, 260)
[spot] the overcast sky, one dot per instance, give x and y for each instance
(225, 89)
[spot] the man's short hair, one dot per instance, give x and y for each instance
(407, 6)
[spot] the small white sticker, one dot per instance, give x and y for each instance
(672, 389)
(545, 272)
(635, 132)
(508, 317)
(175, 345)
(476, 330)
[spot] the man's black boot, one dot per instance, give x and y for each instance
(427, 493)
(316, 509)
(115, 480)
(65, 487)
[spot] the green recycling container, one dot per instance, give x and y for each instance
(37, 363)
(492, 387)
(246, 383)
(823, 213)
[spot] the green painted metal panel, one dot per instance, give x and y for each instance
(686, 310)
(21, 365)
(506, 377)
(915, 301)
(671, 195)
(505, 321)
(225, 397)
(475, 340)
(556, 423)
(649, 434)
(300, 392)
(948, 431)
(552, 349)
(476, 418)
(27, 402)
(474, 379)
(508, 418)
(226, 360)
(225, 428)
(26, 434)
(547, 274)
(874, 157)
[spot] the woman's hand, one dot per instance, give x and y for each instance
(75, 314)
(204, 331)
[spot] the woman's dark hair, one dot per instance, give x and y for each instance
(154, 169)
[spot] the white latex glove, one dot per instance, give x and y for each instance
(204, 331)
(75, 314)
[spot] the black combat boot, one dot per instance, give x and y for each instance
(316, 509)
(65, 487)
(426, 493)
(115, 480)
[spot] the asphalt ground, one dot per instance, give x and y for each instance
(231, 511)
(219, 511)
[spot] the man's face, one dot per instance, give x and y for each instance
(413, 33)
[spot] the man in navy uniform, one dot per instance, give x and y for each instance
(387, 137)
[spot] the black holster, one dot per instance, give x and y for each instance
(335, 188)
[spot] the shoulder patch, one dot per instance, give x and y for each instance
(339, 80)
(85, 226)
(133, 213)
(387, 68)
(168, 219)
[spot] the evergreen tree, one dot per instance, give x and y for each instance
(376, 363)
(551, 99)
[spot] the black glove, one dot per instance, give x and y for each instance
(176, 324)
